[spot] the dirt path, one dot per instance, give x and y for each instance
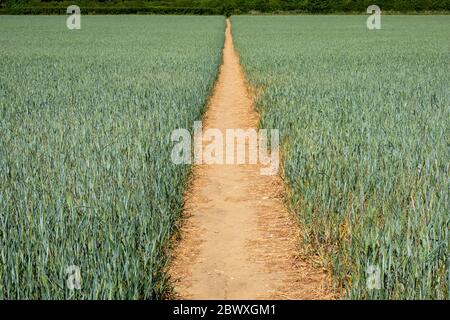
(238, 241)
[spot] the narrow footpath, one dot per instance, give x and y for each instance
(238, 240)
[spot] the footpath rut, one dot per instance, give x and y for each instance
(238, 240)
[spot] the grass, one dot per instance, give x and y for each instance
(364, 117)
(85, 171)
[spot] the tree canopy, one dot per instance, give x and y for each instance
(235, 6)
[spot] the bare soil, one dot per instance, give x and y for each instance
(238, 240)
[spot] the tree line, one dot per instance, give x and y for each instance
(224, 6)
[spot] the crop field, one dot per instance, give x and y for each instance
(364, 117)
(85, 171)
(88, 187)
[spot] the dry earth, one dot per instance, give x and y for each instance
(238, 240)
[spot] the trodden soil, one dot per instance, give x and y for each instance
(237, 239)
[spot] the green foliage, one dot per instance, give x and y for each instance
(85, 172)
(364, 117)
(226, 7)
